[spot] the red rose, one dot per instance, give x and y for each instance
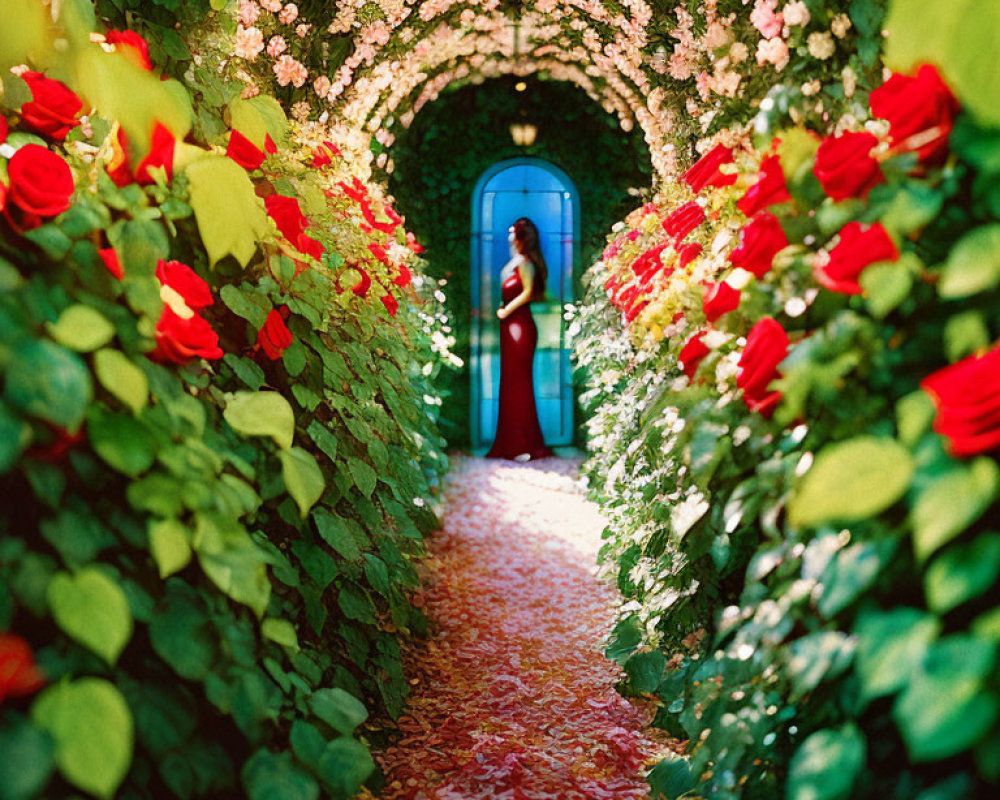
(769, 189)
(706, 171)
(132, 46)
(920, 110)
(684, 220)
(41, 185)
(291, 222)
(845, 167)
(380, 253)
(692, 353)
(649, 262)
(4, 127)
(161, 154)
(246, 153)
(53, 107)
(967, 397)
(760, 241)
(719, 299)
(391, 304)
(687, 253)
(186, 282)
(356, 190)
(19, 676)
(859, 246)
(324, 154)
(411, 241)
(274, 336)
(111, 261)
(180, 339)
(404, 277)
(362, 286)
(766, 347)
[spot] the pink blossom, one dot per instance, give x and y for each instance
(271, 5)
(289, 71)
(248, 13)
(288, 14)
(276, 46)
(680, 67)
(248, 43)
(773, 51)
(716, 36)
(765, 19)
(322, 86)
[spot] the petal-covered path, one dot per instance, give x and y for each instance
(511, 697)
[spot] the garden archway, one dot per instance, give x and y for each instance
(539, 190)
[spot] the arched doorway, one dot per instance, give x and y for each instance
(523, 187)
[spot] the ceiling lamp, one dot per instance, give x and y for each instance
(523, 133)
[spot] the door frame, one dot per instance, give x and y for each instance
(476, 313)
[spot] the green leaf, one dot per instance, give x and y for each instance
(850, 573)
(852, 480)
(230, 216)
(247, 370)
(345, 765)
(671, 778)
(229, 557)
(964, 334)
(140, 244)
(121, 441)
(93, 610)
(258, 116)
(364, 476)
(26, 759)
(323, 439)
(281, 631)
(261, 414)
(950, 503)
(246, 304)
(168, 542)
(962, 572)
(645, 670)
(24, 35)
(973, 265)
(914, 415)
(827, 765)
(275, 776)
(886, 285)
(122, 378)
(340, 710)
(82, 328)
(92, 728)
(335, 533)
(817, 657)
(945, 709)
(182, 635)
(48, 381)
(890, 646)
(303, 478)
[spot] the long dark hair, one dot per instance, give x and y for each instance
(528, 245)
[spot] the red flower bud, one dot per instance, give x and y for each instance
(687, 253)
(769, 189)
(845, 167)
(178, 340)
(920, 110)
(111, 261)
(245, 153)
(161, 154)
(859, 246)
(706, 171)
(719, 299)
(132, 46)
(274, 336)
(391, 304)
(684, 220)
(186, 282)
(967, 397)
(692, 353)
(766, 347)
(760, 241)
(362, 286)
(53, 108)
(18, 674)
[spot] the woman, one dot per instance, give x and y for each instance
(519, 436)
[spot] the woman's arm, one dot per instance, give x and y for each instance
(527, 272)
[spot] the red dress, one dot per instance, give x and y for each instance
(518, 431)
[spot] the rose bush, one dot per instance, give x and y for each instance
(802, 492)
(223, 465)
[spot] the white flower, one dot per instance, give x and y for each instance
(820, 45)
(840, 25)
(796, 14)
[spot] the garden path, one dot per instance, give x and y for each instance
(511, 697)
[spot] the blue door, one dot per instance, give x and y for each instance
(523, 187)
